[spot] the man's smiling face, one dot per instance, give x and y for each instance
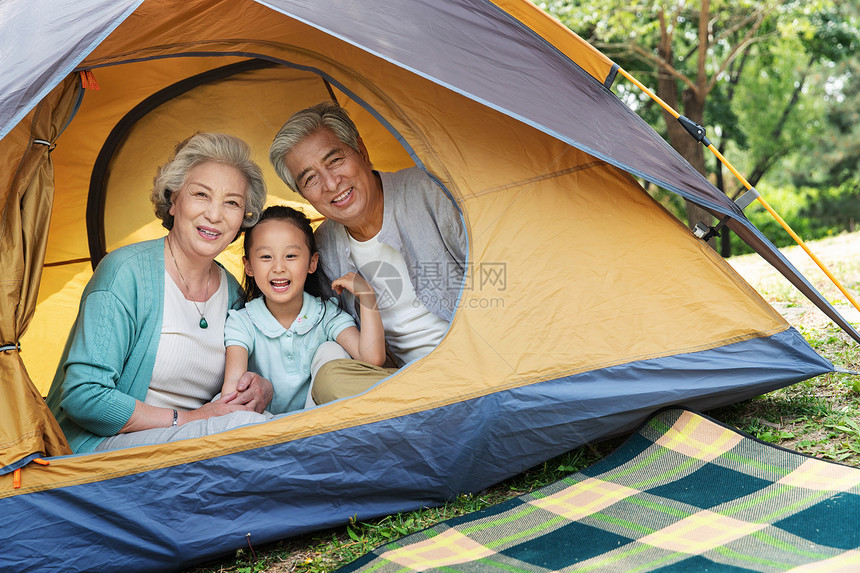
(336, 179)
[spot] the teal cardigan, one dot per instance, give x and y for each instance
(109, 357)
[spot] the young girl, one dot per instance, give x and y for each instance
(288, 312)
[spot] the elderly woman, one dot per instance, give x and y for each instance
(146, 354)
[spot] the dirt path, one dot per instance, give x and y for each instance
(840, 254)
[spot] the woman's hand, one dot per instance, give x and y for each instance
(253, 391)
(146, 417)
(219, 407)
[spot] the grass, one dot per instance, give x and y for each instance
(819, 417)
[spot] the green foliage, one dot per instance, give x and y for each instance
(720, 116)
(783, 91)
(834, 208)
(772, 137)
(812, 213)
(833, 156)
(831, 34)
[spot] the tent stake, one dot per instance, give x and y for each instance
(699, 134)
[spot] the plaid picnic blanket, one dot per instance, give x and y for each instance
(684, 493)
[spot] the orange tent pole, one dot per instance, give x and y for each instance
(746, 184)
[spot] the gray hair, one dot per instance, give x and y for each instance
(200, 148)
(305, 123)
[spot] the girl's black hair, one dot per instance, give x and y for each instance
(317, 283)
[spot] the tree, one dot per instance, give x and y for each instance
(703, 54)
(798, 66)
(832, 159)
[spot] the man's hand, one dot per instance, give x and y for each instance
(253, 391)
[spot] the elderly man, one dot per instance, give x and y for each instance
(398, 230)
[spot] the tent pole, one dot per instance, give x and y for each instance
(699, 134)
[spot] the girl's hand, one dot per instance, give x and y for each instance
(354, 283)
(367, 344)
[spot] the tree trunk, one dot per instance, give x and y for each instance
(693, 152)
(693, 109)
(725, 234)
(735, 71)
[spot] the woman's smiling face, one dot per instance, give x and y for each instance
(208, 209)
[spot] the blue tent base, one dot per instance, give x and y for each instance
(197, 511)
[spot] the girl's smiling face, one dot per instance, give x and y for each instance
(279, 260)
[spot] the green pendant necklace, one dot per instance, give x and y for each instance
(202, 323)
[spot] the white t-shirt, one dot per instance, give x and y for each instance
(189, 364)
(411, 330)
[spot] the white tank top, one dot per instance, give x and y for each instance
(189, 364)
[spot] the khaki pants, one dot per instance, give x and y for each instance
(346, 377)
